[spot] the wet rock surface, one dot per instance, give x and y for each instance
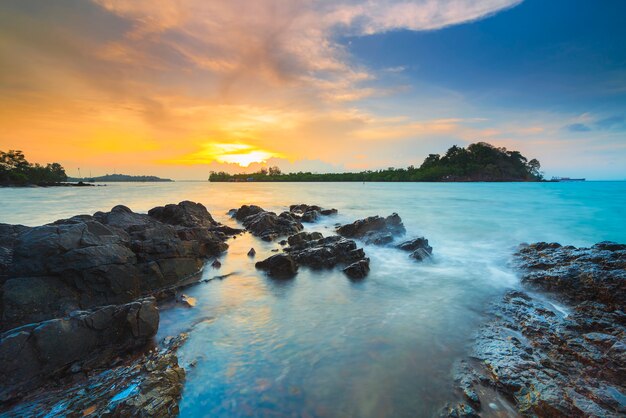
(310, 213)
(146, 384)
(108, 258)
(279, 266)
(313, 250)
(552, 361)
(374, 230)
(33, 353)
(418, 247)
(266, 225)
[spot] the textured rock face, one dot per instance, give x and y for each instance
(35, 352)
(267, 225)
(279, 266)
(358, 269)
(418, 247)
(185, 213)
(315, 251)
(88, 261)
(146, 385)
(577, 274)
(310, 213)
(557, 362)
(374, 230)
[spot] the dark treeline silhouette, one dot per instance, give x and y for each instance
(477, 162)
(15, 170)
(112, 178)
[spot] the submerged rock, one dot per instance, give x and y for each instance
(279, 266)
(112, 257)
(31, 354)
(374, 230)
(553, 361)
(267, 225)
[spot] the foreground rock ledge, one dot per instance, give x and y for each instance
(109, 258)
(31, 354)
(552, 361)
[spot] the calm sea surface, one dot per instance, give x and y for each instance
(320, 345)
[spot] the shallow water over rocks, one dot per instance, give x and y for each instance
(321, 344)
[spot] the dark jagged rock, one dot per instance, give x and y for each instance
(374, 230)
(279, 266)
(267, 225)
(576, 274)
(312, 250)
(87, 261)
(358, 269)
(419, 248)
(33, 353)
(553, 361)
(216, 264)
(310, 213)
(185, 213)
(146, 385)
(302, 239)
(252, 252)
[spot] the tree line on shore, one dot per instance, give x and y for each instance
(16, 170)
(478, 162)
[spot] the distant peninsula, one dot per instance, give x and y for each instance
(111, 178)
(478, 162)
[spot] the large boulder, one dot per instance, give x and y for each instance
(35, 352)
(186, 213)
(88, 261)
(281, 266)
(267, 225)
(374, 230)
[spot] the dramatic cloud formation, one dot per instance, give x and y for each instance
(180, 87)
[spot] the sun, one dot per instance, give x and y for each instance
(244, 159)
(230, 153)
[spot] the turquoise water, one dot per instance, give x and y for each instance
(320, 345)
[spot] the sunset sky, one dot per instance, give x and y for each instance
(178, 88)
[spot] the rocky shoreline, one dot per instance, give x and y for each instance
(79, 298)
(535, 357)
(79, 308)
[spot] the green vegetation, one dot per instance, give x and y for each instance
(16, 171)
(477, 162)
(121, 177)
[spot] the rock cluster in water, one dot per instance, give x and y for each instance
(550, 361)
(374, 230)
(310, 213)
(264, 224)
(71, 300)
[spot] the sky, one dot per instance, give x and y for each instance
(178, 88)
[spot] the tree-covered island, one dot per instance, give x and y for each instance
(477, 162)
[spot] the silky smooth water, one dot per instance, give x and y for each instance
(320, 344)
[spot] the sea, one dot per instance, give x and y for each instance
(321, 345)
